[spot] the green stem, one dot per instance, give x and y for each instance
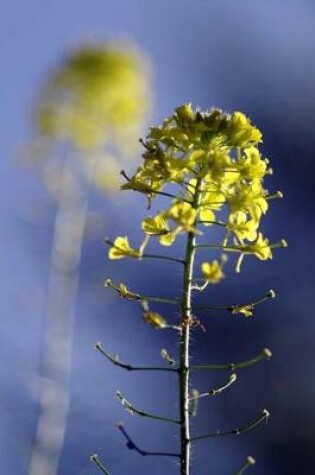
(184, 345)
(251, 425)
(115, 360)
(95, 459)
(133, 410)
(250, 461)
(265, 354)
(165, 258)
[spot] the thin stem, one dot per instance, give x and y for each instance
(132, 446)
(115, 360)
(147, 190)
(219, 246)
(95, 459)
(250, 461)
(242, 249)
(218, 223)
(265, 354)
(184, 344)
(235, 308)
(151, 298)
(133, 410)
(249, 426)
(138, 297)
(146, 256)
(166, 258)
(216, 391)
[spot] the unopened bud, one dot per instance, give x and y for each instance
(267, 353)
(250, 460)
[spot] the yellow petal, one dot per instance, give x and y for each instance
(207, 214)
(154, 319)
(121, 248)
(212, 272)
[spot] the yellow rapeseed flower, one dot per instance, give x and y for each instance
(260, 248)
(183, 214)
(241, 227)
(125, 293)
(155, 226)
(251, 166)
(246, 310)
(241, 133)
(212, 272)
(155, 319)
(121, 248)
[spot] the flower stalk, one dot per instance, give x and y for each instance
(184, 345)
(214, 158)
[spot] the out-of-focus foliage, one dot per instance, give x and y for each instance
(94, 103)
(95, 89)
(88, 116)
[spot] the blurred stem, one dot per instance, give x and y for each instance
(67, 241)
(184, 344)
(250, 461)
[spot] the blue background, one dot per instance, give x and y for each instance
(254, 56)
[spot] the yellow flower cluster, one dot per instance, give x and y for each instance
(212, 159)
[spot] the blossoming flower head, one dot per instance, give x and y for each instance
(212, 162)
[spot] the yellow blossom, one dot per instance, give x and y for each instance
(249, 198)
(169, 238)
(121, 248)
(183, 214)
(251, 166)
(260, 248)
(207, 216)
(154, 319)
(241, 227)
(155, 226)
(212, 272)
(241, 133)
(216, 170)
(125, 293)
(246, 310)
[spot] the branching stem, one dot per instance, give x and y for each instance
(115, 360)
(133, 446)
(133, 410)
(251, 425)
(216, 391)
(265, 354)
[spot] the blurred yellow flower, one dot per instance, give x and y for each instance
(260, 248)
(155, 319)
(212, 272)
(246, 310)
(121, 248)
(99, 91)
(155, 226)
(125, 293)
